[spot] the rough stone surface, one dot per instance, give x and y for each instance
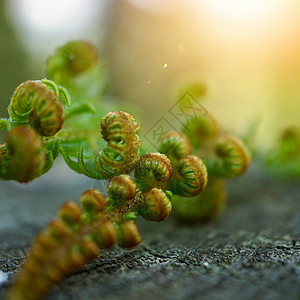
(252, 251)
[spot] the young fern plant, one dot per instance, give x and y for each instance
(76, 236)
(44, 108)
(225, 155)
(42, 125)
(35, 116)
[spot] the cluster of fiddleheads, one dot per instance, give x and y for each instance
(24, 156)
(225, 156)
(37, 104)
(178, 176)
(190, 173)
(35, 116)
(76, 235)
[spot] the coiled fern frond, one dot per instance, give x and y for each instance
(37, 103)
(120, 130)
(23, 155)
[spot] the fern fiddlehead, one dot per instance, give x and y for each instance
(36, 103)
(224, 155)
(156, 205)
(71, 59)
(35, 116)
(232, 160)
(24, 155)
(190, 175)
(77, 234)
(151, 170)
(120, 130)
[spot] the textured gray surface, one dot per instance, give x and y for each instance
(252, 251)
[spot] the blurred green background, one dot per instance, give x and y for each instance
(14, 68)
(246, 52)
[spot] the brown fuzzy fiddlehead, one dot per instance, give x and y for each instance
(128, 234)
(24, 155)
(76, 235)
(64, 246)
(124, 202)
(156, 205)
(121, 188)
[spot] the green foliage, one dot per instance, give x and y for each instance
(43, 124)
(283, 160)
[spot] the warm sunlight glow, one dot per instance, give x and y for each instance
(239, 9)
(159, 6)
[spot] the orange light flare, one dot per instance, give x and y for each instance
(253, 49)
(264, 29)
